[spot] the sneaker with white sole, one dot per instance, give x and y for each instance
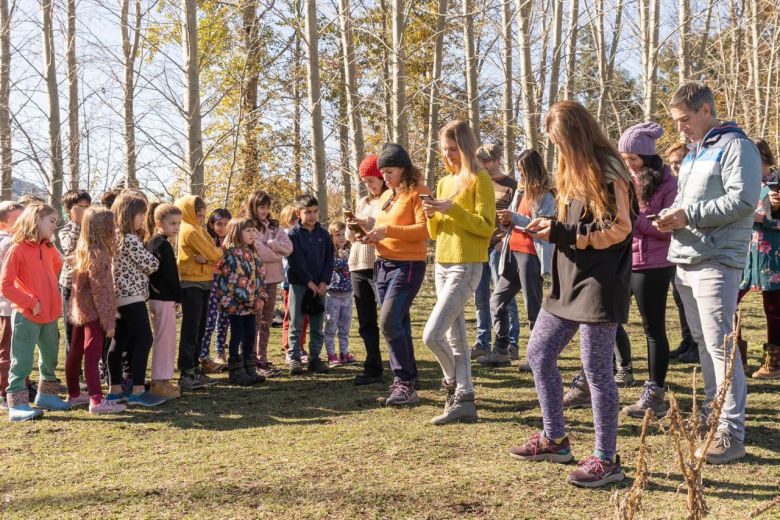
(725, 448)
(540, 448)
(593, 472)
(402, 393)
(578, 395)
(624, 376)
(82, 399)
(106, 406)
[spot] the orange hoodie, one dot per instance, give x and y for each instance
(29, 276)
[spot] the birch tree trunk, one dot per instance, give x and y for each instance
(683, 58)
(530, 123)
(74, 136)
(192, 96)
(555, 71)
(472, 92)
(297, 99)
(387, 82)
(571, 54)
(130, 51)
(434, 102)
(249, 159)
(55, 138)
(315, 108)
(6, 179)
(353, 103)
(400, 129)
(508, 111)
(754, 64)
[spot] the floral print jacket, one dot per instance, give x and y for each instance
(762, 267)
(240, 286)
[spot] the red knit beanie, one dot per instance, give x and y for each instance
(369, 168)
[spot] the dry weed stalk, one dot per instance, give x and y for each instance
(631, 503)
(763, 508)
(690, 453)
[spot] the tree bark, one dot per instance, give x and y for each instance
(472, 92)
(754, 64)
(249, 158)
(648, 25)
(508, 109)
(55, 137)
(400, 128)
(555, 68)
(387, 82)
(434, 103)
(315, 108)
(571, 54)
(6, 179)
(74, 136)
(530, 123)
(344, 148)
(192, 97)
(297, 100)
(353, 103)
(683, 58)
(130, 51)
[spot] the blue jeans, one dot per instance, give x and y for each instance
(482, 304)
(316, 321)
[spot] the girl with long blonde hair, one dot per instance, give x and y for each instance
(590, 289)
(461, 219)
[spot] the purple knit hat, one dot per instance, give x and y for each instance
(640, 139)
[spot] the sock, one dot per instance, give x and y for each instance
(557, 440)
(603, 455)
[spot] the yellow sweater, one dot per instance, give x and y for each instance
(463, 234)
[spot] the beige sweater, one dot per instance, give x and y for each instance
(363, 256)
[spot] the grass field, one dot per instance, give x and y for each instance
(319, 447)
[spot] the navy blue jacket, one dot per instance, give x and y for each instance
(312, 256)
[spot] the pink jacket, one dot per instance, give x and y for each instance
(272, 245)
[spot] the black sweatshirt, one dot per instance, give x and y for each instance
(164, 282)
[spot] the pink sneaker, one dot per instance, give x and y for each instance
(334, 361)
(304, 357)
(348, 359)
(82, 399)
(107, 406)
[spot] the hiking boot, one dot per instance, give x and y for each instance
(624, 376)
(495, 359)
(594, 472)
(478, 351)
(47, 398)
(317, 366)
(188, 380)
(250, 365)
(724, 448)
(146, 399)
(334, 361)
(539, 448)
(363, 379)
(237, 373)
(578, 395)
(653, 398)
(296, 368)
(209, 366)
(402, 393)
(691, 355)
(267, 369)
(203, 378)
(770, 368)
(106, 406)
(514, 352)
(461, 408)
(165, 389)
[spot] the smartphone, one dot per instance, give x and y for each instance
(530, 232)
(426, 198)
(652, 218)
(773, 186)
(349, 215)
(357, 229)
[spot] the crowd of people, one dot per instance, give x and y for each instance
(615, 221)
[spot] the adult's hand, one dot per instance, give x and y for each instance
(505, 216)
(671, 219)
(442, 206)
(539, 228)
(774, 200)
(375, 235)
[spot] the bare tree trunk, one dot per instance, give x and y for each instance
(606, 58)
(754, 64)
(387, 83)
(770, 75)
(55, 137)
(530, 123)
(508, 112)
(353, 106)
(683, 58)
(315, 108)
(400, 129)
(189, 38)
(344, 148)
(130, 51)
(700, 55)
(648, 26)
(571, 54)
(297, 100)
(472, 92)
(249, 159)
(555, 71)
(74, 136)
(434, 102)
(6, 179)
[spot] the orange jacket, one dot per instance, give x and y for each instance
(29, 276)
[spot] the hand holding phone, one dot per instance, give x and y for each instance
(773, 186)
(652, 218)
(427, 198)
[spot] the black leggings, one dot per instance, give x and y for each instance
(365, 303)
(242, 335)
(650, 288)
(132, 329)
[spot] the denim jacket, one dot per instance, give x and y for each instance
(544, 250)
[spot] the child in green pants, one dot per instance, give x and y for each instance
(29, 282)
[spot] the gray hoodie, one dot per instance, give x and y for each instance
(719, 187)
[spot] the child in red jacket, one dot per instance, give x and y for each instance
(29, 282)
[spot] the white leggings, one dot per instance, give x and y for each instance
(445, 332)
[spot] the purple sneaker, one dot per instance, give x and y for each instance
(594, 472)
(402, 393)
(540, 448)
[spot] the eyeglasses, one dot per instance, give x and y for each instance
(389, 204)
(311, 212)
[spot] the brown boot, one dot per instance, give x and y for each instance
(165, 389)
(743, 348)
(770, 369)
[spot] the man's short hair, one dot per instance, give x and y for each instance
(693, 95)
(305, 201)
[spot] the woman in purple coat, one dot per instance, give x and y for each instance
(651, 271)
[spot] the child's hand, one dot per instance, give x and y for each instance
(201, 259)
(37, 309)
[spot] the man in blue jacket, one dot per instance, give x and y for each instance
(310, 267)
(711, 220)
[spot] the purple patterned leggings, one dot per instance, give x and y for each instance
(549, 337)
